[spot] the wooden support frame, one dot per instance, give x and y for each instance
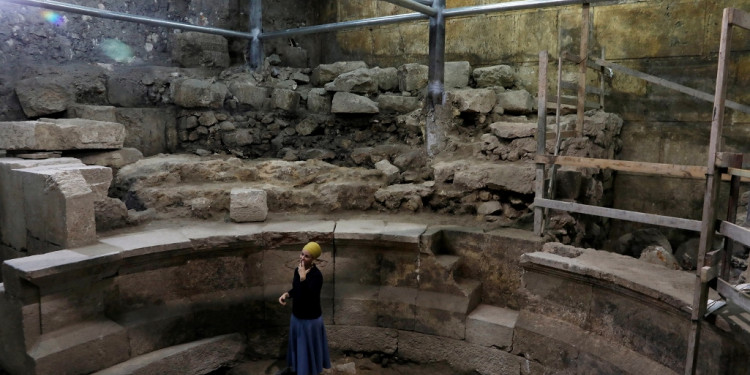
(541, 139)
(585, 29)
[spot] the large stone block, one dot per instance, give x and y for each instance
(496, 75)
(345, 102)
(473, 100)
(148, 129)
(457, 74)
(362, 339)
(516, 101)
(248, 93)
(491, 326)
(81, 349)
(398, 103)
(445, 314)
(287, 100)
(92, 112)
(196, 93)
(360, 81)
(194, 49)
(43, 96)
(12, 207)
(412, 77)
(325, 73)
(114, 159)
(63, 198)
(248, 205)
(60, 134)
(318, 101)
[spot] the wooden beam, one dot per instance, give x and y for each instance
(573, 100)
(671, 85)
(735, 232)
(613, 213)
(584, 52)
(591, 63)
(574, 86)
(731, 294)
(541, 140)
(671, 170)
(744, 173)
(739, 18)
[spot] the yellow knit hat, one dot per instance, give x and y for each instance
(313, 248)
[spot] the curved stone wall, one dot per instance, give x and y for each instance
(135, 302)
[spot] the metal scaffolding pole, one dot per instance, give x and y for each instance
(512, 5)
(63, 7)
(255, 49)
(413, 5)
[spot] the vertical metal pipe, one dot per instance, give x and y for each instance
(436, 73)
(255, 47)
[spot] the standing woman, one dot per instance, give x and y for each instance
(308, 343)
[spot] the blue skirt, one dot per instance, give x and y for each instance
(308, 346)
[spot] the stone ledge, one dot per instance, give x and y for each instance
(672, 287)
(193, 358)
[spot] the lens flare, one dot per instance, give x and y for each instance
(53, 18)
(116, 50)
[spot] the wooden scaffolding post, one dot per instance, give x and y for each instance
(541, 140)
(585, 27)
(700, 296)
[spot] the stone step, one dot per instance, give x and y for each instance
(193, 358)
(491, 326)
(448, 262)
(81, 348)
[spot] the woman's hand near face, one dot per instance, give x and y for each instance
(302, 271)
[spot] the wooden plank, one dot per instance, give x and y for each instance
(541, 139)
(735, 232)
(591, 63)
(739, 173)
(563, 134)
(729, 159)
(730, 293)
(671, 85)
(613, 213)
(583, 53)
(671, 170)
(574, 86)
(739, 18)
(573, 100)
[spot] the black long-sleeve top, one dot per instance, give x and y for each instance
(306, 294)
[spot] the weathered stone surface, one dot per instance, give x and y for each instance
(398, 103)
(147, 129)
(41, 96)
(92, 112)
(491, 326)
(687, 254)
(344, 102)
(196, 93)
(113, 159)
(388, 169)
(406, 196)
(457, 74)
(513, 130)
(633, 243)
(61, 134)
(412, 77)
(248, 205)
(444, 314)
(325, 73)
(193, 49)
(488, 208)
(213, 353)
(248, 93)
(360, 81)
(318, 101)
(387, 78)
(516, 101)
(473, 100)
(362, 339)
(511, 177)
(497, 75)
(655, 254)
(110, 213)
(459, 354)
(64, 199)
(82, 348)
(287, 100)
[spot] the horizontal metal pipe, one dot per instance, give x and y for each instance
(413, 5)
(63, 7)
(344, 25)
(513, 5)
(425, 2)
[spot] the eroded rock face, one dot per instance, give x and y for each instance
(60, 134)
